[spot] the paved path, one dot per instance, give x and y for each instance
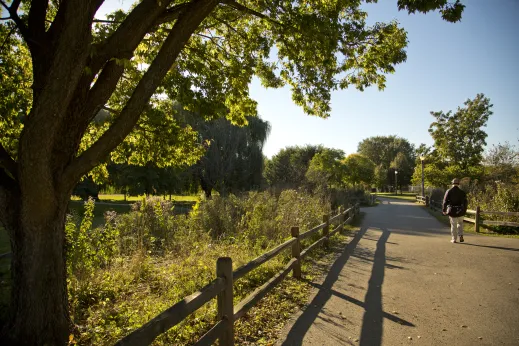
(401, 277)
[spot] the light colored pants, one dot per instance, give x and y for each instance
(456, 226)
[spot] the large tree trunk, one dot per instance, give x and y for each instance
(39, 303)
(35, 188)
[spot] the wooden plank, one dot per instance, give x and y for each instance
(311, 247)
(468, 219)
(210, 337)
(172, 316)
(336, 217)
(470, 211)
(260, 292)
(507, 213)
(337, 229)
(500, 223)
(348, 210)
(244, 269)
(312, 231)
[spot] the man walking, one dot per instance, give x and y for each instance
(455, 205)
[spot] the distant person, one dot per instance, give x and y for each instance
(455, 205)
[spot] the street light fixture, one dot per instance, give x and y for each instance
(422, 158)
(396, 182)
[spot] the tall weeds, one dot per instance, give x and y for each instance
(140, 263)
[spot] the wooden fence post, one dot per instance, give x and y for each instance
(326, 229)
(225, 300)
(296, 252)
(478, 221)
(426, 201)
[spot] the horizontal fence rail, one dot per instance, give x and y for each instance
(173, 316)
(222, 288)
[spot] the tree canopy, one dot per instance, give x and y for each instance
(389, 153)
(459, 137)
(359, 170)
(459, 141)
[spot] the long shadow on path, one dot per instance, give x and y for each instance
(302, 325)
(373, 320)
(373, 302)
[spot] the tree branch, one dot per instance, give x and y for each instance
(37, 15)
(7, 162)
(185, 26)
(171, 14)
(129, 34)
(245, 9)
(107, 21)
(13, 12)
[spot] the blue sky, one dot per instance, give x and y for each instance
(446, 64)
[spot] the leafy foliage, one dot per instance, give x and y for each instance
(326, 169)
(389, 153)
(233, 161)
(15, 87)
(458, 137)
(287, 169)
(359, 170)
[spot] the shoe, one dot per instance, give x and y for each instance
(461, 239)
(453, 240)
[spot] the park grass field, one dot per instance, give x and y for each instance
(408, 196)
(119, 198)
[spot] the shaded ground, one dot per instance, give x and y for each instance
(401, 278)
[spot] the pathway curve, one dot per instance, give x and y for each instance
(400, 281)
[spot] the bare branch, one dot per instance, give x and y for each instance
(7, 162)
(247, 10)
(184, 27)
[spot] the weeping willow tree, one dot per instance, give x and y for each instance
(233, 160)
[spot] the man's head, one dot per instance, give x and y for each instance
(455, 181)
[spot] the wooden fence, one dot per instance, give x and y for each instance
(222, 288)
(477, 220)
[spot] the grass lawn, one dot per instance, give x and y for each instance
(99, 210)
(119, 198)
(469, 227)
(405, 196)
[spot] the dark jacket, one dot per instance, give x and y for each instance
(457, 199)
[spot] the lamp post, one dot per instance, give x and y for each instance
(396, 183)
(422, 158)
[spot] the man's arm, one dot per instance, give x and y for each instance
(445, 201)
